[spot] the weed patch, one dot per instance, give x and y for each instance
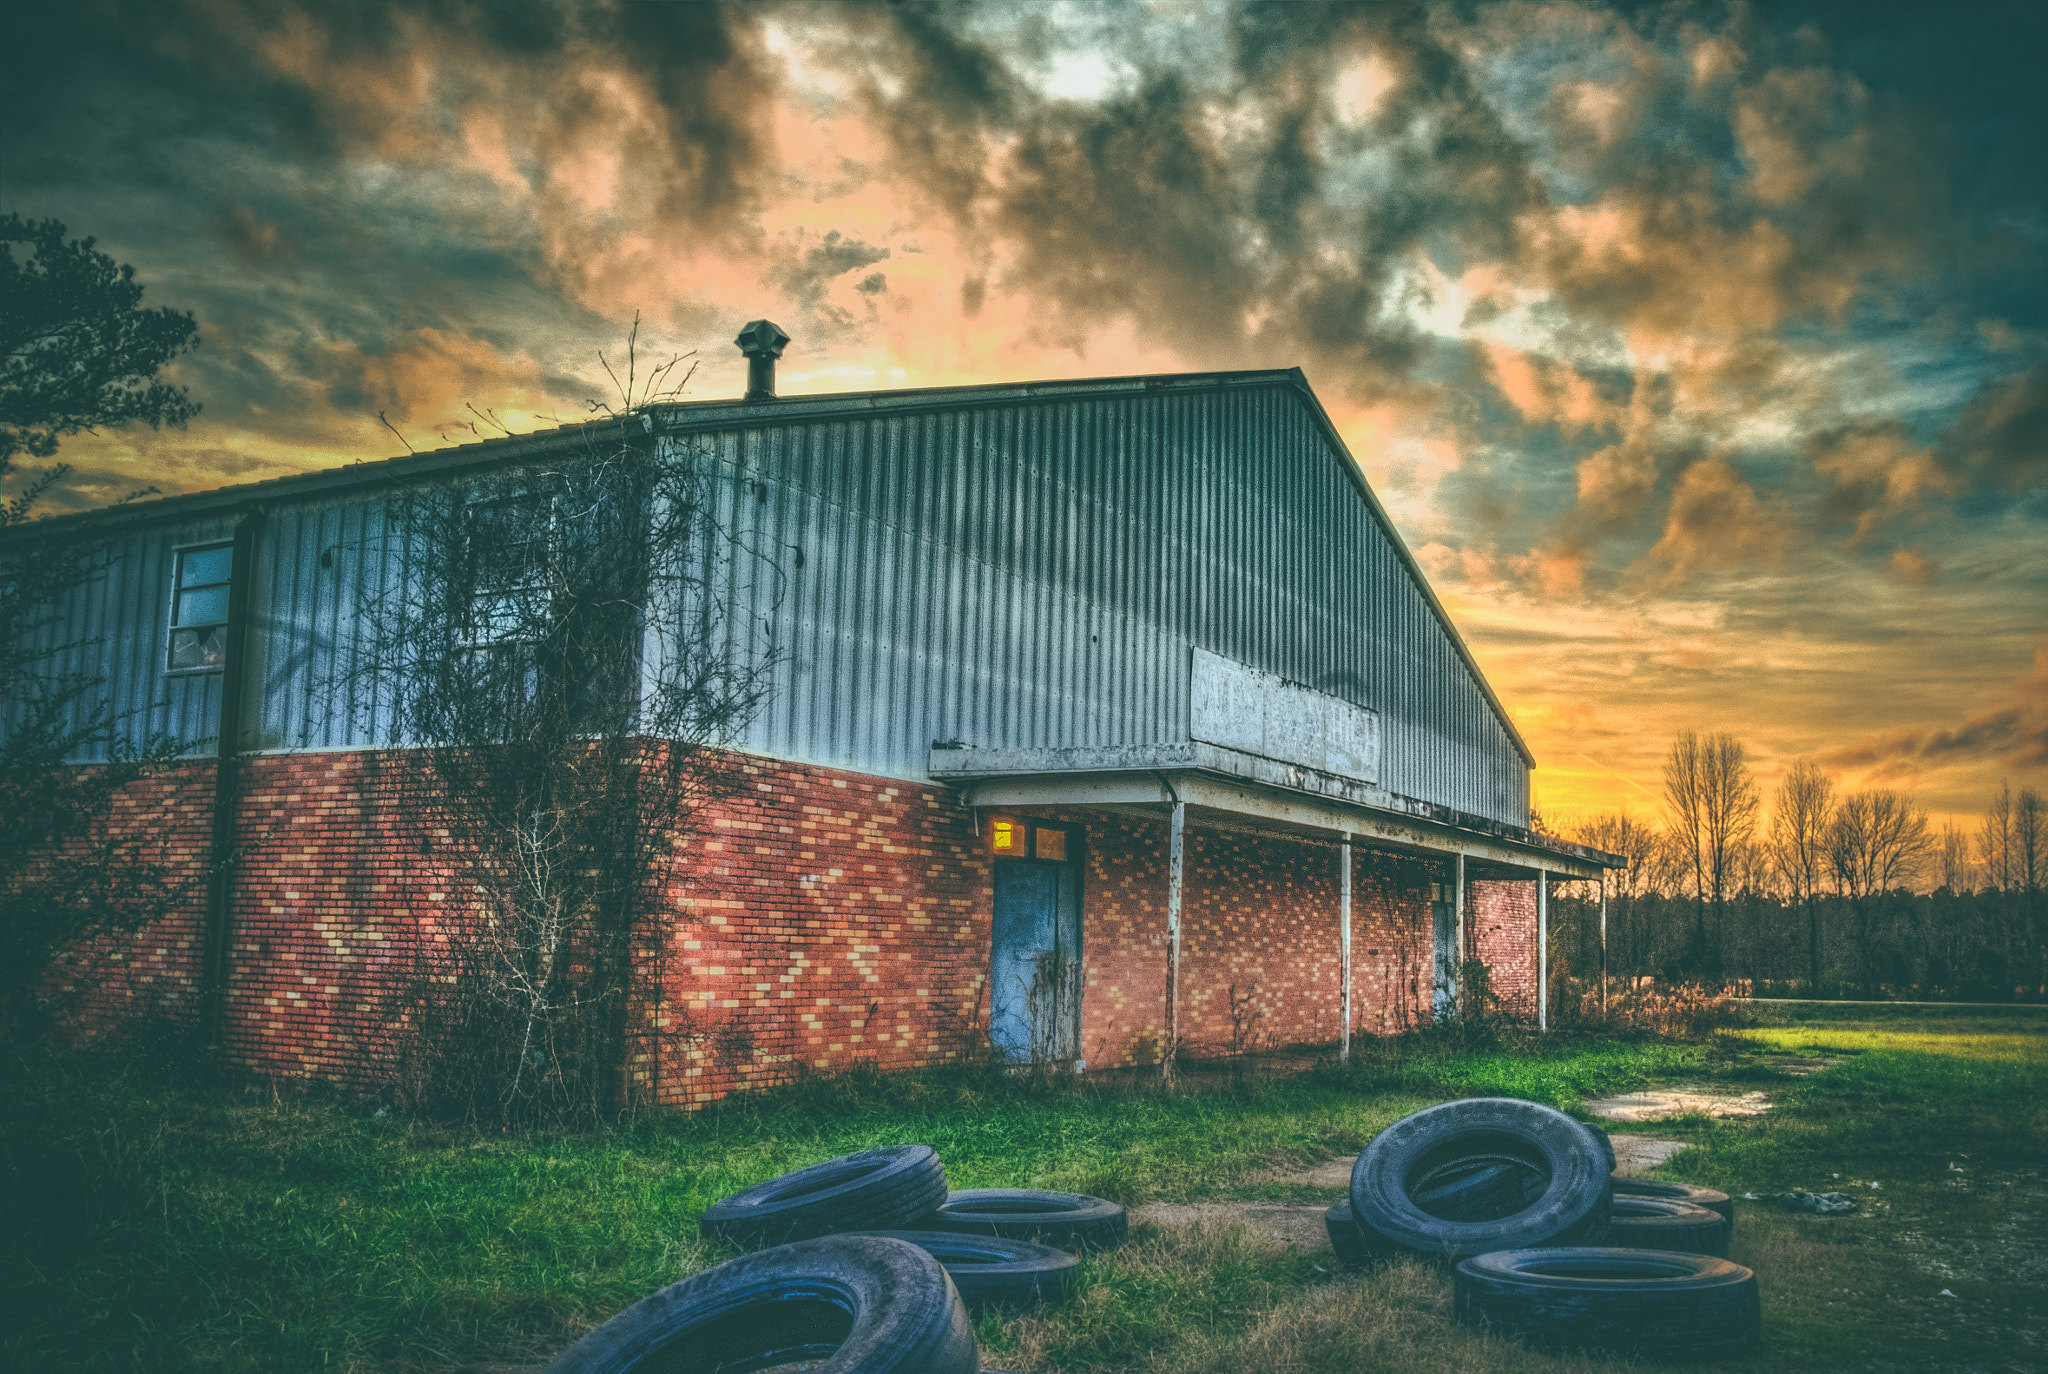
(154, 1220)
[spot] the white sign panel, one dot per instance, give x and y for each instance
(1239, 707)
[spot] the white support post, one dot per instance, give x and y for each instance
(1344, 945)
(1175, 848)
(1458, 939)
(1542, 950)
(1603, 944)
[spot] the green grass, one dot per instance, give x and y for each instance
(151, 1222)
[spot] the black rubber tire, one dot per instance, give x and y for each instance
(1710, 1198)
(862, 1304)
(876, 1190)
(1477, 1188)
(1069, 1221)
(1571, 1209)
(1619, 1301)
(1655, 1223)
(992, 1272)
(1346, 1239)
(1606, 1145)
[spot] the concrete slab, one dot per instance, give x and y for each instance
(1657, 1104)
(1638, 1154)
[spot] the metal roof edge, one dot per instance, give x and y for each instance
(675, 417)
(1436, 606)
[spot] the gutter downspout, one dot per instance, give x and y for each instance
(215, 957)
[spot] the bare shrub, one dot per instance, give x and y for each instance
(562, 652)
(1679, 1010)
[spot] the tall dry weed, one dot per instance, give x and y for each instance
(1684, 1011)
(1232, 1311)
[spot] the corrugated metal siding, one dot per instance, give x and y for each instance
(115, 626)
(1032, 576)
(1028, 574)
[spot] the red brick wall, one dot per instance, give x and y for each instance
(1392, 938)
(327, 904)
(820, 918)
(1257, 913)
(162, 823)
(1500, 919)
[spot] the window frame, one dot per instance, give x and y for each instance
(475, 635)
(178, 590)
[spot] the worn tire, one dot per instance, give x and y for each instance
(1622, 1301)
(863, 1305)
(1710, 1198)
(990, 1271)
(876, 1190)
(1069, 1221)
(1571, 1209)
(1655, 1223)
(1346, 1238)
(1477, 1188)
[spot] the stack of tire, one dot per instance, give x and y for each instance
(1551, 1244)
(867, 1262)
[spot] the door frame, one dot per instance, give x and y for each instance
(1014, 839)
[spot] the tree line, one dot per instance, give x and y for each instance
(1812, 889)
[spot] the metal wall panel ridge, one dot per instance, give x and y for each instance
(113, 627)
(1020, 572)
(1035, 574)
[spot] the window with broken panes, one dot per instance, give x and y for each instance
(507, 543)
(199, 609)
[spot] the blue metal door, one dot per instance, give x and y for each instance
(1035, 963)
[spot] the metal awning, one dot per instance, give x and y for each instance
(1228, 790)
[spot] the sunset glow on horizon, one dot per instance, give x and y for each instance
(1699, 351)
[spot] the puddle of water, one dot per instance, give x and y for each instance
(1656, 1104)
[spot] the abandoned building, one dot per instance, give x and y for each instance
(1129, 679)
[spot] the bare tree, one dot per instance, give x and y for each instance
(1642, 845)
(1995, 840)
(1714, 805)
(1878, 842)
(1800, 819)
(2029, 870)
(1952, 857)
(565, 650)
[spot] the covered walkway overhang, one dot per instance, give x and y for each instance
(1209, 786)
(1227, 790)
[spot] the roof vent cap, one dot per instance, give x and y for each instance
(762, 341)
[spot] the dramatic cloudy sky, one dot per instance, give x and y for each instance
(1698, 349)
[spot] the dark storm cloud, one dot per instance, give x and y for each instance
(375, 205)
(1205, 204)
(2016, 736)
(323, 80)
(2000, 441)
(812, 267)
(254, 242)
